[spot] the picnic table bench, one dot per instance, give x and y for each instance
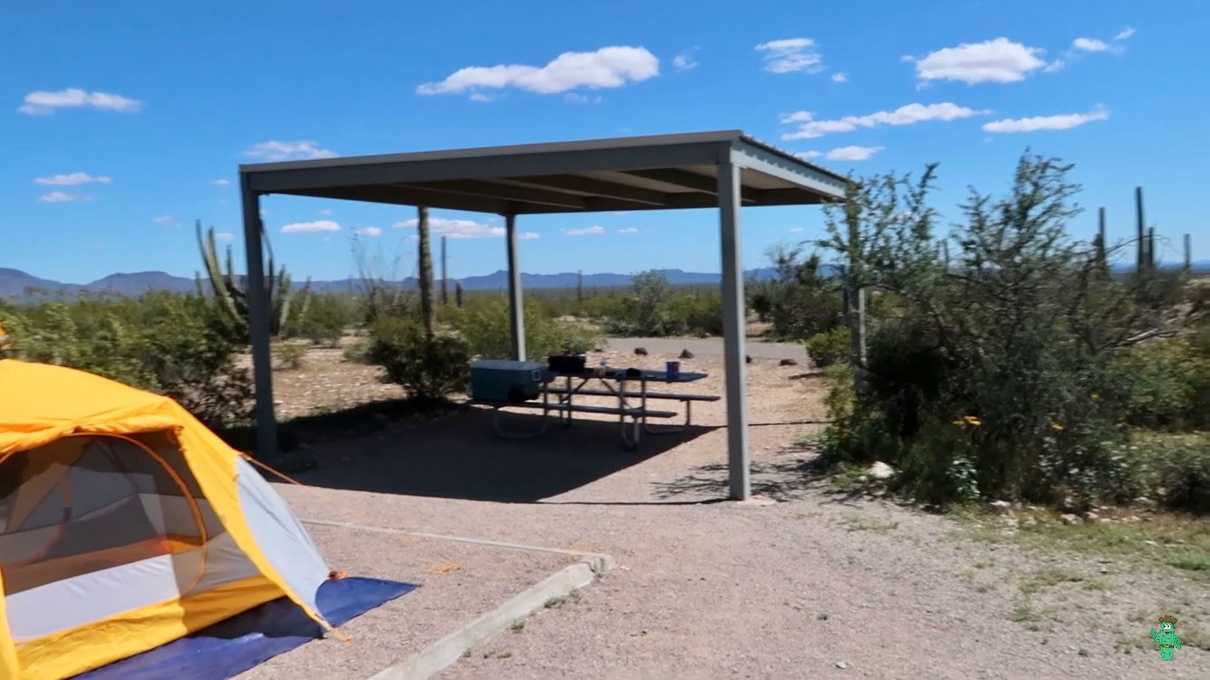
(632, 418)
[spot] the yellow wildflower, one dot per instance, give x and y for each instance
(972, 420)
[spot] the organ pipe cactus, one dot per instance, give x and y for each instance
(231, 296)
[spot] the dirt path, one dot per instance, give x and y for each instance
(807, 585)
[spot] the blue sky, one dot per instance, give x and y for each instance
(122, 122)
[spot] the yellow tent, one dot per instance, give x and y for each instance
(126, 524)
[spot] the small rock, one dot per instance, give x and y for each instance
(880, 470)
(1145, 502)
(1001, 507)
(1029, 522)
(1132, 518)
(747, 358)
(1011, 522)
(841, 665)
(640, 351)
(1083, 652)
(1070, 519)
(1151, 543)
(821, 616)
(1091, 516)
(686, 354)
(1105, 520)
(1068, 504)
(788, 362)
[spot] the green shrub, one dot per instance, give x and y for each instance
(1167, 383)
(290, 355)
(800, 301)
(428, 369)
(326, 318)
(175, 345)
(357, 352)
(830, 347)
(1171, 468)
(485, 326)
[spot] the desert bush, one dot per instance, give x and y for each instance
(326, 318)
(428, 369)
(829, 347)
(995, 375)
(800, 300)
(289, 355)
(357, 352)
(485, 325)
(175, 345)
(1167, 384)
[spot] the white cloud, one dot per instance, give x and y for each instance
(840, 77)
(685, 60)
(1125, 34)
(1090, 45)
(628, 230)
(72, 179)
(910, 114)
(791, 55)
(795, 230)
(164, 220)
(808, 155)
(595, 230)
(480, 97)
(41, 103)
(853, 153)
(369, 231)
(316, 227)
(220, 182)
(1056, 65)
(605, 68)
(60, 197)
(273, 150)
(463, 229)
(907, 59)
(225, 236)
(1065, 121)
(993, 61)
(326, 212)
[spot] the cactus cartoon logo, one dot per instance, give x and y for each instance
(1166, 637)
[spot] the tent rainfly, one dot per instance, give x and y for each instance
(727, 169)
(125, 524)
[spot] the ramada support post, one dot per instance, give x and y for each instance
(516, 309)
(733, 328)
(258, 324)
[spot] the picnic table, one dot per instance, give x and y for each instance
(628, 386)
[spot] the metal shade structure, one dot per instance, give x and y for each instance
(726, 169)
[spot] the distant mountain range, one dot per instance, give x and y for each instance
(17, 285)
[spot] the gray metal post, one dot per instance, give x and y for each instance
(258, 325)
(733, 329)
(1142, 236)
(516, 308)
(445, 291)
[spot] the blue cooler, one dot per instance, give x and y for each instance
(500, 380)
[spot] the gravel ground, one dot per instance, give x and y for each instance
(797, 586)
(458, 582)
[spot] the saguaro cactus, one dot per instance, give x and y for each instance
(231, 296)
(426, 271)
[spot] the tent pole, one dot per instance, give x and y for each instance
(733, 328)
(258, 324)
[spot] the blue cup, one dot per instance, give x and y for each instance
(672, 370)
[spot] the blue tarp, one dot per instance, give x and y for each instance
(233, 646)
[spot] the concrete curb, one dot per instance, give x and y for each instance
(443, 653)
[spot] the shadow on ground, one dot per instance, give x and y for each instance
(393, 447)
(780, 480)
